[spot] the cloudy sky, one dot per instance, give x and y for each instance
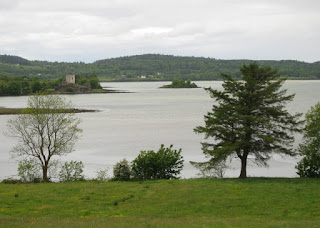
(83, 30)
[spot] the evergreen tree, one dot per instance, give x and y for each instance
(249, 119)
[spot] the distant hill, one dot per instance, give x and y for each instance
(152, 67)
(9, 59)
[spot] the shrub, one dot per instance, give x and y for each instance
(209, 170)
(122, 171)
(309, 166)
(102, 174)
(10, 181)
(70, 90)
(164, 164)
(29, 171)
(71, 171)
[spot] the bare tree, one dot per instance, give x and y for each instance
(45, 129)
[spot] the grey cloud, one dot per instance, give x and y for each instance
(8, 4)
(245, 29)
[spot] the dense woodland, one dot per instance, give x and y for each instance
(152, 67)
(24, 85)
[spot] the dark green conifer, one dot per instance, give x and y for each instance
(249, 118)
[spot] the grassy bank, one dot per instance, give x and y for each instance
(16, 111)
(171, 203)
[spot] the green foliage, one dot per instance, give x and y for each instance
(309, 166)
(159, 67)
(91, 79)
(71, 171)
(180, 83)
(70, 90)
(13, 60)
(22, 85)
(249, 118)
(82, 81)
(10, 181)
(14, 88)
(36, 86)
(166, 163)
(29, 170)
(95, 84)
(122, 171)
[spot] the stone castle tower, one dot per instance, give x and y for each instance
(71, 78)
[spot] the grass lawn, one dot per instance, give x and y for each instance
(256, 202)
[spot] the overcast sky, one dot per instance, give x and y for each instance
(83, 30)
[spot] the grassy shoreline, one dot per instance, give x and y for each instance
(263, 202)
(17, 111)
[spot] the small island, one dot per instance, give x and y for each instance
(180, 83)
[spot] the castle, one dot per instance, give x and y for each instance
(70, 85)
(71, 79)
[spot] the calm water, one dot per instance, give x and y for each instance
(129, 122)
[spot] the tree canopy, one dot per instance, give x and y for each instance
(309, 166)
(249, 119)
(153, 67)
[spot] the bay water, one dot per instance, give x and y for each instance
(146, 117)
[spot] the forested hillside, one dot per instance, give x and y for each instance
(151, 67)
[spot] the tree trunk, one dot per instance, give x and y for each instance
(243, 173)
(45, 174)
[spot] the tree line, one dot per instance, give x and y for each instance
(153, 67)
(24, 85)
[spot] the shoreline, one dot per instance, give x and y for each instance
(196, 80)
(17, 111)
(102, 91)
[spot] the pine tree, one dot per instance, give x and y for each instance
(249, 118)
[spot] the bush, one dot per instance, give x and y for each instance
(10, 181)
(102, 174)
(122, 171)
(71, 171)
(70, 90)
(209, 170)
(164, 164)
(29, 171)
(309, 166)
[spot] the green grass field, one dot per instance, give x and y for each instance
(257, 202)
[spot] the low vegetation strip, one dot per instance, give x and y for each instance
(16, 111)
(251, 202)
